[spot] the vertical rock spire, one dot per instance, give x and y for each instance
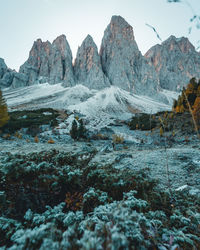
(87, 68)
(123, 63)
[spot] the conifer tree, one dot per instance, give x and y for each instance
(81, 129)
(4, 117)
(74, 130)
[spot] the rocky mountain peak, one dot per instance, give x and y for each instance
(40, 47)
(88, 41)
(49, 62)
(122, 61)
(61, 44)
(3, 67)
(87, 68)
(182, 44)
(119, 27)
(176, 62)
(61, 69)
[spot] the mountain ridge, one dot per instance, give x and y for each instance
(119, 63)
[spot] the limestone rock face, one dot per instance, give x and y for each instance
(176, 61)
(19, 80)
(61, 69)
(3, 67)
(123, 63)
(37, 66)
(6, 75)
(49, 63)
(88, 70)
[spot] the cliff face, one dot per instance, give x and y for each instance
(49, 63)
(119, 63)
(60, 61)
(122, 61)
(6, 75)
(176, 61)
(87, 69)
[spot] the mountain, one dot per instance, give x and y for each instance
(61, 62)
(87, 68)
(49, 63)
(6, 75)
(122, 61)
(10, 77)
(176, 61)
(119, 63)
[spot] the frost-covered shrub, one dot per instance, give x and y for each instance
(94, 197)
(55, 200)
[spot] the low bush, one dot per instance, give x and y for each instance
(117, 139)
(142, 122)
(30, 119)
(57, 200)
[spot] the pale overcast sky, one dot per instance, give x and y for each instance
(23, 21)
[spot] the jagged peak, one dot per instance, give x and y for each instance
(173, 38)
(2, 61)
(40, 43)
(88, 38)
(118, 20)
(88, 42)
(183, 43)
(118, 26)
(60, 39)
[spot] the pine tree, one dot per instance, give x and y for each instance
(74, 130)
(4, 117)
(81, 130)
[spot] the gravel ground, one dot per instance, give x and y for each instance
(181, 159)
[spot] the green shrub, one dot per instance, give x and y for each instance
(30, 119)
(142, 122)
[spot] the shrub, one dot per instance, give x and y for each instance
(51, 141)
(143, 122)
(78, 129)
(36, 139)
(30, 119)
(74, 130)
(4, 117)
(117, 139)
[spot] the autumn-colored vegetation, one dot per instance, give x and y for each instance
(189, 100)
(4, 117)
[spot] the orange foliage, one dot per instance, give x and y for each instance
(36, 140)
(74, 201)
(51, 141)
(196, 111)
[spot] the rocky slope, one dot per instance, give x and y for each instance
(176, 61)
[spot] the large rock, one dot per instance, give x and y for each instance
(88, 70)
(123, 63)
(49, 63)
(176, 62)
